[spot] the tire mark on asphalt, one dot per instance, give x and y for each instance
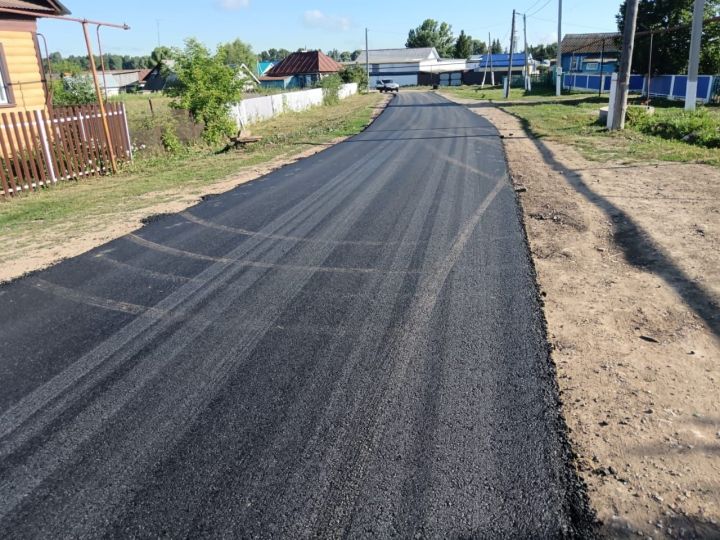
(404, 351)
(80, 297)
(244, 232)
(104, 258)
(59, 448)
(125, 342)
(257, 264)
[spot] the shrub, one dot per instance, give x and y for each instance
(355, 74)
(71, 91)
(206, 87)
(170, 140)
(699, 127)
(331, 89)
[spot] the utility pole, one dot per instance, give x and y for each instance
(367, 58)
(510, 62)
(623, 81)
(492, 73)
(558, 64)
(693, 66)
(650, 59)
(101, 101)
(527, 63)
(602, 69)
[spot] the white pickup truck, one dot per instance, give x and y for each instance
(387, 85)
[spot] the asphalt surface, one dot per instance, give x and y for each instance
(349, 346)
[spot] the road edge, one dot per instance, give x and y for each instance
(582, 515)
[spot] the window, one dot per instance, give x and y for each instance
(591, 66)
(575, 64)
(6, 97)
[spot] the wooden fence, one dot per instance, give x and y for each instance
(41, 148)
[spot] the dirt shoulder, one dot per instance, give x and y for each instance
(44, 240)
(628, 262)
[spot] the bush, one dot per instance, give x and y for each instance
(331, 89)
(699, 127)
(206, 87)
(71, 91)
(170, 140)
(355, 74)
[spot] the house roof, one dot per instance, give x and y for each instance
(49, 7)
(267, 78)
(591, 43)
(501, 60)
(399, 56)
(302, 63)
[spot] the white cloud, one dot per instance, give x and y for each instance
(233, 5)
(315, 18)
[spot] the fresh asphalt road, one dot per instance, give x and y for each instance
(349, 346)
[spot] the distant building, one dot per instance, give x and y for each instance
(403, 66)
(300, 70)
(499, 63)
(590, 53)
(264, 67)
(159, 77)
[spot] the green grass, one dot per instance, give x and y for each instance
(495, 93)
(577, 124)
(84, 204)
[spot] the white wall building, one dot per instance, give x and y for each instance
(401, 65)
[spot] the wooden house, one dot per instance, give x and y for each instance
(22, 79)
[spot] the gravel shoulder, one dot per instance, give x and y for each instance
(628, 261)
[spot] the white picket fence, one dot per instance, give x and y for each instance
(250, 111)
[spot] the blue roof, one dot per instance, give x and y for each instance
(502, 60)
(264, 67)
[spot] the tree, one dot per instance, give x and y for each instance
(206, 87)
(478, 47)
(496, 47)
(432, 34)
(334, 54)
(543, 52)
(345, 56)
(236, 53)
(671, 49)
(355, 74)
(463, 46)
(72, 91)
(160, 54)
(355, 54)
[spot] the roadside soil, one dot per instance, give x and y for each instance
(28, 253)
(628, 263)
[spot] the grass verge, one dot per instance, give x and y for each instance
(577, 124)
(88, 204)
(495, 93)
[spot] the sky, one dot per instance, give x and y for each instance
(315, 24)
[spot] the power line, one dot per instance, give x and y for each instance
(540, 8)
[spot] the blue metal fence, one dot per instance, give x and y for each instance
(665, 86)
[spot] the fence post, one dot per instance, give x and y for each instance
(127, 131)
(672, 88)
(709, 92)
(45, 146)
(611, 103)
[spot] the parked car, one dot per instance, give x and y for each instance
(387, 85)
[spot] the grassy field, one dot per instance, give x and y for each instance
(495, 93)
(573, 119)
(577, 124)
(158, 179)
